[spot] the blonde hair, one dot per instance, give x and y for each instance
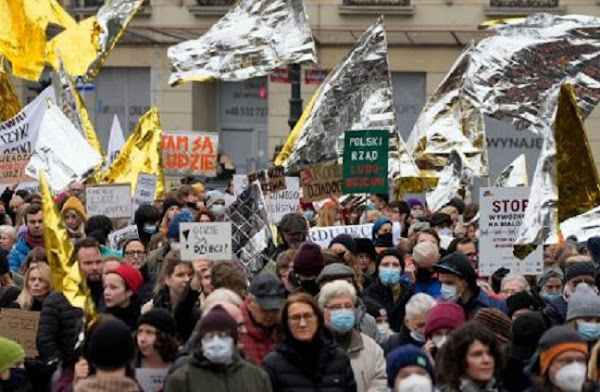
(450, 210)
(221, 295)
(327, 215)
(25, 299)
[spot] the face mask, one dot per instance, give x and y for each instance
(416, 214)
(217, 208)
(417, 336)
(342, 320)
(415, 383)
(149, 229)
(191, 205)
(571, 377)
(449, 293)
(385, 240)
(383, 328)
(217, 349)
(550, 296)
(310, 286)
(389, 276)
(371, 206)
(447, 232)
(18, 376)
(439, 341)
(589, 331)
(308, 215)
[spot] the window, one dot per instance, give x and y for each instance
(524, 3)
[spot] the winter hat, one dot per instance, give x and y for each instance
(406, 355)
(525, 334)
(418, 227)
(426, 253)
(212, 197)
(521, 300)
(440, 218)
(583, 268)
(556, 341)
(161, 319)
(552, 273)
(593, 245)
(183, 216)
(365, 245)
(168, 203)
(346, 240)
(373, 307)
(10, 353)
(292, 223)
(111, 345)
(268, 291)
(132, 277)
(74, 204)
(583, 303)
(218, 320)
(444, 315)
(457, 264)
(496, 321)
(413, 202)
(335, 271)
(457, 203)
(377, 225)
(309, 260)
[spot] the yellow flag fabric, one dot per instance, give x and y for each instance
(9, 102)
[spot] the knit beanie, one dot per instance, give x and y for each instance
(403, 356)
(584, 268)
(183, 216)
(10, 353)
(413, 202)
(520, 300)
(161, 319)
(593, 245)
(74, 204)
(111, 345)
(444, 315)
(212, 197)
(309, 260)
(556, 341)
(373, 307)
(335, 271)
(377, 225)
(583, 303)
(218, 320)
(132, 277)
(525, 334)
(426, 253)
(496, 321)
(168, 203)
(346, 240)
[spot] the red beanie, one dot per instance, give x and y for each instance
(444, 315)
(309, 260)
(132, 277)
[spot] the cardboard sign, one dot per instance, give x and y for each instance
(501, 212)
(115, 238)
(190, 153)
(271, 180)
(210, 240)
(12, 168)
(144, 191)
(323, 235)
(366, 161)
(321, 182)
(240, 183)
(112, 200)
(151, 380)
(21, 326)
(277, 203)
(261, 177)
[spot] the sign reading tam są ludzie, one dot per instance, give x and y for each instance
(321, 182)
(190, 153)
(366, 161)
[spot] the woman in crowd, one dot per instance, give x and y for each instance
(205, 215)
(8, 237)
(38, 284)
(120, 294)
(283, 267)
(155, 337)
(171, 207)
(329, 215)
(172, 281)
(35, 256)
(306, 359)
(74, 217)
(367, 257)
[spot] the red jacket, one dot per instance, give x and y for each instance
(257, 341)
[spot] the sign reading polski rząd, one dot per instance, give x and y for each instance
(366, 161)
(190, 153)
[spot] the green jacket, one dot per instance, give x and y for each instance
(199, 374)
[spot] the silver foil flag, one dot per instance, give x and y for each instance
(251, 40)
(356, 95)
(252, 239)
(456, 180)
(514, 174)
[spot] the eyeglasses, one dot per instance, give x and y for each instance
(340, 306)
(134, 253)
(308, 317)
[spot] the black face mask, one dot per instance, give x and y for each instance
(310, 286)
(191, 205)
(385, 240)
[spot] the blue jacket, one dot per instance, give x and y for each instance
(17, 255)
(480, 301)
(555, 313)
(432, 287)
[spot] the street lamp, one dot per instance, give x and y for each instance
(295, 97)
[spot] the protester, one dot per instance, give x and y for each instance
(170, 208)
(8, 237)
(189, 195)
(37, 255)
(34, 236)
(426, 255)
(306, 359)
(409, 370)
(417, 208)
(146, 219)
(283, 267)
(13, 377)
(583, 313)
(215, 201)
(415, 321)
(170, 284)
(206, 215)
(330, 215)
(74, 217)
(367, 257)
(521, 303)
(496, 322)
(38, 285)
(382, 234)
(157, 346)
(550, 285)
(134, 253)
(512, 284)
(229, 275)
(308, 264)
(467, 247)
(120, 294)
(99, 227)
(292, 232)
(443, 318)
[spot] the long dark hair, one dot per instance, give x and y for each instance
(453, 356)
(166, 346)
(283, 329)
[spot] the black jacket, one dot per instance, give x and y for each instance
(302, 367)
(187, 312)
(399, 339)
(162, 299)
(145, 292)
(129, 315)
(383, 295)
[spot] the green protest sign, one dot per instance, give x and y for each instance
(365, 161)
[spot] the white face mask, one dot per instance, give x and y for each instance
(415, 383)
(217, 349)
(449, 293)
(446, 232)
(571, 377)
(384, 328)
(439, 341)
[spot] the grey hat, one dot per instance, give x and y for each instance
(334, 271)
(212, 196)
(583, 303)
(268, 291)
(292, 223)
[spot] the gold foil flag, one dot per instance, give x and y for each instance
(514, 174)
(142, 153)
(251, 40)
(9, 102)
(66, 275)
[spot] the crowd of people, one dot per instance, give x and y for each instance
(402, 311)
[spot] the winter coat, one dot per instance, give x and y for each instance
(466, 385)
(555, 313)
(113, 384)
(199, 374)
(145, 292)
(257, 341)
(366, 323)
(129, 314)
(368, 363)
(162, 299)
(18, 254)
(513, 375)
(428, 284)
(399, 339)
(187, 312)
(480, 301)
(323, 367)
(395, 310)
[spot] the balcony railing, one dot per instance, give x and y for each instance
(215, 3)
(518, 8)
(524, 3)
(401, 3)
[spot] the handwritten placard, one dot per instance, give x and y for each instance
(144, 191)
(21, 326)
(116, 237)
(12, 168)
(112, 200)
(190, 153)
(210, 240)
(321, 182)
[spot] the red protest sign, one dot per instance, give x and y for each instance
(190, 153)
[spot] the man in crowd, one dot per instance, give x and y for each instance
(34, 236)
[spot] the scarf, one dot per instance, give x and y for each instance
(32, 241)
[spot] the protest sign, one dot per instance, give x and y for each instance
(322, 236)
(240, 183)
(144, 191)
(210, 240)
(501, 213)
(321, 182)
(116, 142)
(261, 177)
(151, 380)
(12, 168)
(276, 176)
(366, 161)
(190, 153)
(277, 203)
(112, 200)
(21, 326)
(115, 238)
